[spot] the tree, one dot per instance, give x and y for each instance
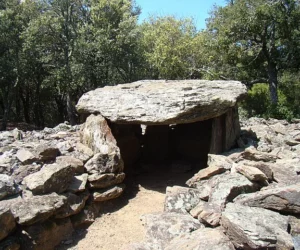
(168, 45)
(258, 38)
(51, 43)
(109, 44)
(12, 23)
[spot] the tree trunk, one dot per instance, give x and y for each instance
(26, 108)
(7, 106)
(71, 110)
(273, 82)
(60, 104)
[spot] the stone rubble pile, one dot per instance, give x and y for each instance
(54, 181)
(248, 198)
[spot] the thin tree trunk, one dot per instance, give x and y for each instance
(7, 107)
(71, 110)
(273, 82)
(25, 101)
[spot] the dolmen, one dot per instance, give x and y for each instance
(158, 120)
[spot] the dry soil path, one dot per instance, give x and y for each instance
(115, 230)
(120, 223)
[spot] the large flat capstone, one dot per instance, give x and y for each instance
(154, 102)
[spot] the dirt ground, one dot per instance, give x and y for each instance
(120, 223)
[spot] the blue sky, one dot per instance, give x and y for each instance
(198, 9)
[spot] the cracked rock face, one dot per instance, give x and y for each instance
(51, 178)
(37, 208)
(161, 228)
(256, 228)
(284, 199)
(162, 102)
(202, 239)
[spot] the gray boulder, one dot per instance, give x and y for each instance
(181, 199)
(86, 216)
(73, 204)
(217, 164)
(162, 102)
(105, 163)
(283, 199)
(22, 171)
(256, 228)
(207, 213)
(228, 186)
(252, 173)
(7, 186)
(77, 164)
(51, 178)
(78, 183)
(37, 208)
(96, 134)
(46, 152)
(286, 171)
(25, 156)
(201, 239)
(161, 228)
(7, 160)
(105, 180)
(64, 147)
(108, 193)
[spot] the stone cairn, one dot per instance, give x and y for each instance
(56, 180)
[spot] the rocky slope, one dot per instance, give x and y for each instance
(247, 198)
(51, 183)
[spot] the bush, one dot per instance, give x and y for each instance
(258, 104)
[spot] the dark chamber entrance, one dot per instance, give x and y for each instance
(185, 142)
(170, 152)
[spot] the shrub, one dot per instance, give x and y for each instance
(258, 103)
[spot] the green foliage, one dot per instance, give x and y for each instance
(51, 52)
(169, 46)
(258, 103)
(290, 86)
(253, 41)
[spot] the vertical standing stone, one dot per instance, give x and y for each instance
(225, 131)
(217, 135)
(232, 128)
(97, 135)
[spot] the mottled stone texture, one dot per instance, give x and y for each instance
(163, 102)
(225, 131)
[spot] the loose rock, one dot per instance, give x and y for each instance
(283, 199)
(180, 199)
(37, 208)
(202, 239)
(7, 186)
(256, 228)
(109, 193)
(161, 228)
(51, 178)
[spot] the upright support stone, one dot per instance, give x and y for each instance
(217, 135)
(232, 128)
(225, 131)
(97, 135)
